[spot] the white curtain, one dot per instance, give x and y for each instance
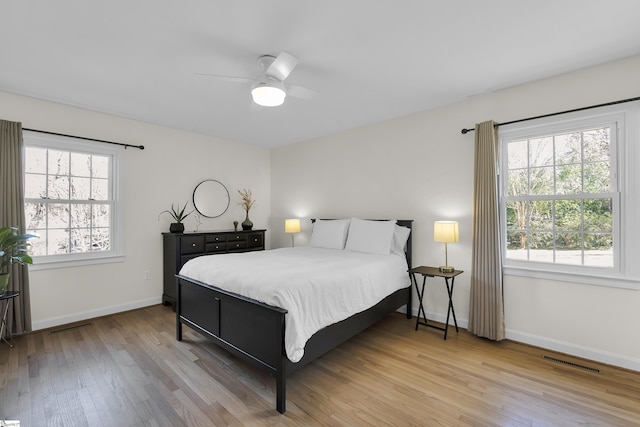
(486, 307)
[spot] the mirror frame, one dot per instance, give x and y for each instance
(219, 186)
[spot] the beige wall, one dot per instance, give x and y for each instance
(166, 172)
(420, 167)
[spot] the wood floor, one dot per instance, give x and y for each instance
(128, 370)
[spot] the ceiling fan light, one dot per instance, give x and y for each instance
(268, 95)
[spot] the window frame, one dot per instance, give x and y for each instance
(625, 192)
(79, 145)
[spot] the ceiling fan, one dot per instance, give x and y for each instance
(268, 89)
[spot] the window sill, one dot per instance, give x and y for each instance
(49, 264)
(561, 276)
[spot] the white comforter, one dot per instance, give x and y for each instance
(316, 286)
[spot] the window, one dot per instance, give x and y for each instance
(559, 203)
(564, 201)
(72, 200)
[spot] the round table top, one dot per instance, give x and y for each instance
(9, 294)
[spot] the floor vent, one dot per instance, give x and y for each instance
(69, 327)
(575, 365)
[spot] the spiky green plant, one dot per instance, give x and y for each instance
(178, 214)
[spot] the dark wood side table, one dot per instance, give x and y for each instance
(5, 299)
(434, 272)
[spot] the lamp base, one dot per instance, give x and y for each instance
(446, 269)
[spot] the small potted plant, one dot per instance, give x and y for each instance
(178, 216)
(13, 250)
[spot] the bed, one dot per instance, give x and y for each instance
(259, 332)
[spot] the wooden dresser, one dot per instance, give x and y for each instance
(179, 248)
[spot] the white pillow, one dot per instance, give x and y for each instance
(373, 237)
(330, 234)
(399, 241)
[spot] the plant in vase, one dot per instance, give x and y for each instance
(247, 203)
(178, 216)
(13, 250)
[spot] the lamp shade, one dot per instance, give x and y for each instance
(292, 225)
(268, 94)
(446, 231)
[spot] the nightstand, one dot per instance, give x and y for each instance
(434, 272)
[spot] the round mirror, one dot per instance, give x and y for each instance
(211, 198)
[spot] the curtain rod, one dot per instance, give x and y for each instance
(88, 139)
(464, 131)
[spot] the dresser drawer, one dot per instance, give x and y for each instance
(212, 247)
(237, 238)
(232, 246)
(255, 240)
(192, 244)
(215, 238)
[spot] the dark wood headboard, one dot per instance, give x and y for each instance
(402, 223)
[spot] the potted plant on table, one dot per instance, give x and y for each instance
(178, 216)
(13, 250)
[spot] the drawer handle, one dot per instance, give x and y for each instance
(237, 245)
(193, 244)
(255, 240)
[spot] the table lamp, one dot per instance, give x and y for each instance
(292, 226)
(447, 232)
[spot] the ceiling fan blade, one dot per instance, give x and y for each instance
(301, 92)
(282, 66)
(227, 78)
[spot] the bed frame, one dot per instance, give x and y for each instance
(254, 331)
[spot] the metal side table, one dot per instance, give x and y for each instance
(5, 300)
(434, 272)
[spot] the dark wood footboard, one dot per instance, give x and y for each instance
(247, 328)
(254, 331)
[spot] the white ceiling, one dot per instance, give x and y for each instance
(366, 60)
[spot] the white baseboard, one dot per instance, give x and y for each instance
(575, 350)
(436, 317)
(596, 355)
(77, 317)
